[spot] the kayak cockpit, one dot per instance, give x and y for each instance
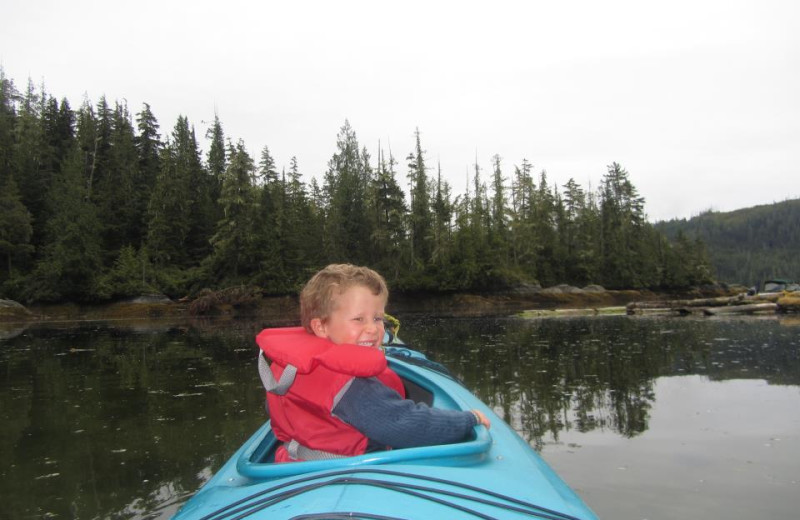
(256, 461)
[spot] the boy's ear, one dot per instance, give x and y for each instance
(318, 327)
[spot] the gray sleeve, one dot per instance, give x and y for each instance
(385, 418)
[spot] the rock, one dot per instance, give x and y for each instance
(526, 289)
(9, 309)
(562, 289)
(594, 288)
(150, 298)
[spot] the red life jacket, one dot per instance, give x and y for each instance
(301, 407)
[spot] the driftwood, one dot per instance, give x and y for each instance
(700, 302)
(741, 309)
(741, 303)
(656, 310)
(790, 302)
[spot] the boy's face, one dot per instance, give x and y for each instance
(357, 318)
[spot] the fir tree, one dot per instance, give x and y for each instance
(622, 218)
(168, 212)
(216, 158)
(523, 250)
(389, 213)
(233, 240)
(217, 163)
(8, 122)
(148, 147)
(498, 225)
(31, 178)
(272, 235)
(15, 226)
(72, 257)
(442, 221)
(344, 194)
(303, 230)
(420, 206)
(120, 206)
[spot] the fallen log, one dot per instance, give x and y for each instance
(680, 311)
(766, 297)
(699, 302)
(741, 309)
(790, 302)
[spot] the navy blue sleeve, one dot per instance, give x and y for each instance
(385, 418)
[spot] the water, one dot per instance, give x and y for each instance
(643, 417)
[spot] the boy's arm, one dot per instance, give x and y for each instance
(384, 417)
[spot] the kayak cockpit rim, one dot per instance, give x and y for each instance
(254, 462)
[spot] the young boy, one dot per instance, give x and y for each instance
(331, 393)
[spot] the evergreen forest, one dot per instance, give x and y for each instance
(100, 204)
(749, 245)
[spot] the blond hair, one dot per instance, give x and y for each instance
(318, 297)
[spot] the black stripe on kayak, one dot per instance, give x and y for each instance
(263, 503)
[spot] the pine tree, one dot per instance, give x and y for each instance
(466, 269)
(180, 213)
(8, 122)
(301, 251)
(344, 197)
(273, 235)
(216, 159)
(30, 176)
(216, 164)
(523, 189)
(420, 206)
(442, 222)
(102, 177)
(168, 212)
(118, 200)
(127, 276)
(267, 172)
(498, 225)
(72, 257)
(203, 207)
(622, 218)
(15, 226)
(233, 241)
(148, 147)
(572, 235)
(389, 212)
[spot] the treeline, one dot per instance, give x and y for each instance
(750, 245)
(97, 205)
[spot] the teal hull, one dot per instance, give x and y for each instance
(496, 474)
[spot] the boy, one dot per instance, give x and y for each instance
(330, 391)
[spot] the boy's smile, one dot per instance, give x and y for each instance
(357, 318)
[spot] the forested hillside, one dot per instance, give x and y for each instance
(97, 205)
(749, 245)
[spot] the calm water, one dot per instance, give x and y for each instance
(644, 417)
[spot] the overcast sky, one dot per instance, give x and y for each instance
(699, 100)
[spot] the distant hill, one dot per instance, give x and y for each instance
(748, 245)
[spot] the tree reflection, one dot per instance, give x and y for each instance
(545, 376)
(108, 423)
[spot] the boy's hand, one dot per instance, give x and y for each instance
(482, 420)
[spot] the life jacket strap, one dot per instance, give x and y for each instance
(281, 386)
(299, 452)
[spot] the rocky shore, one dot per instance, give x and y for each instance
(566, 298)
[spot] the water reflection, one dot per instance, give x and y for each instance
(127, 419)
(545, 376)
(102, 421)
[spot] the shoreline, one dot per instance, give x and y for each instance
(287, 307)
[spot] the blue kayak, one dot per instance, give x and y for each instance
(495, 474)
